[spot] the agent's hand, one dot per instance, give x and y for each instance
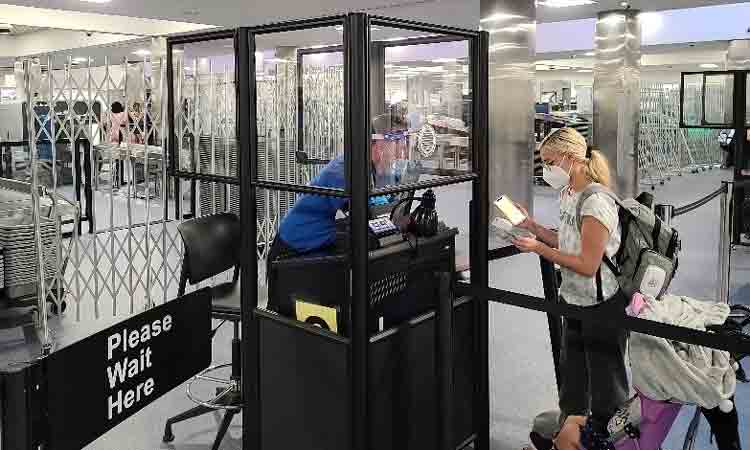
(569, 437)
(528, 245)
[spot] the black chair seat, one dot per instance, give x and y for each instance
(226, 302)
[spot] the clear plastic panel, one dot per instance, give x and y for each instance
(422, 117)
(718, 93)
(692, 103)
(300, 109)
(205, 110)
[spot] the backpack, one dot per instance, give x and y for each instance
(646, 260)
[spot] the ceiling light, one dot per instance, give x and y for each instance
(625, 4)
(709, 66)
(590, 54)
(142, 52)
(650, 22)
(585, 71)
(388, 66)
(500, 17)
(80, 59)
(542, 67)
(444, 60)
(565, 3)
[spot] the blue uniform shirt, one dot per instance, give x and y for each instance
(311, 223)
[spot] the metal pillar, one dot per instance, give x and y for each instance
(617, 95)
(725, 242)
(512, 27)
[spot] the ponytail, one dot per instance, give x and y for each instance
(597, 168)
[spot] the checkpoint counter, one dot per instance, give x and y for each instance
(305, 371)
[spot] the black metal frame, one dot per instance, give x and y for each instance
(356, 49)
(704, 75)
(740, 126)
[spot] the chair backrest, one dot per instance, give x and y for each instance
(211, 246)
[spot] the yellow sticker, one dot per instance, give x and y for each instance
(318, 315)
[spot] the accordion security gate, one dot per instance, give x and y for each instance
(131, 259)
(666, 150)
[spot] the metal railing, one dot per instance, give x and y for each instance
(668, 213)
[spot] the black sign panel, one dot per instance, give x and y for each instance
(102, 380)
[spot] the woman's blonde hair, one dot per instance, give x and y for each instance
(569, 142)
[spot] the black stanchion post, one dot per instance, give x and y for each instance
(549, 282)
(357, 143)
(444, 347)
(479, 217)
(244, 44)
(740, 150)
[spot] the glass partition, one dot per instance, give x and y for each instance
(692, 95)
(718, 93)
(299, 79)
(421, 107)
(204, 107)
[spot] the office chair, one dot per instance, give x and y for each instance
(211, 247)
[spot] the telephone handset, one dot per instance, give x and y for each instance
(383, 232)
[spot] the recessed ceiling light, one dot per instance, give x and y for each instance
(590, 54)
(500, 18)
(80, 59)
(625, 4)
(709, 66)
(543, 67)
(650, 22)
(142, 52)
(565, 3)
(585, 71)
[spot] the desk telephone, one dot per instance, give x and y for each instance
(383, 232)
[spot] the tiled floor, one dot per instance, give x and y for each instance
(522, 376)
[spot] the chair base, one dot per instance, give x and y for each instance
(232, 404)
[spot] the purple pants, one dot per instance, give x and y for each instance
(656, 420)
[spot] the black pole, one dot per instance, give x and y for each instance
(244, 44)
(357, 137)
(444, 358)
(480, 234)
(549, 282)
(740, 148)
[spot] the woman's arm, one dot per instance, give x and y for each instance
(594, 237)
(544, 234)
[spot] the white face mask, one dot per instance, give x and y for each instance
(556, 176)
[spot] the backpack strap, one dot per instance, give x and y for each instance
(596, 188)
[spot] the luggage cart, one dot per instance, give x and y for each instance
(18, 255)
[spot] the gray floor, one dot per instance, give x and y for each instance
(522, 376)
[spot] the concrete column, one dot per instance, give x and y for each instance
(617, 95)
(512, 24)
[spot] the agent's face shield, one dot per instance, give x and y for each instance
(390, 154)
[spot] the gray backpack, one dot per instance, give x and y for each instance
(647, 258)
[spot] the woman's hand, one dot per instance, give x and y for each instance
(527, 224)
(569, 437)
(528, 245)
